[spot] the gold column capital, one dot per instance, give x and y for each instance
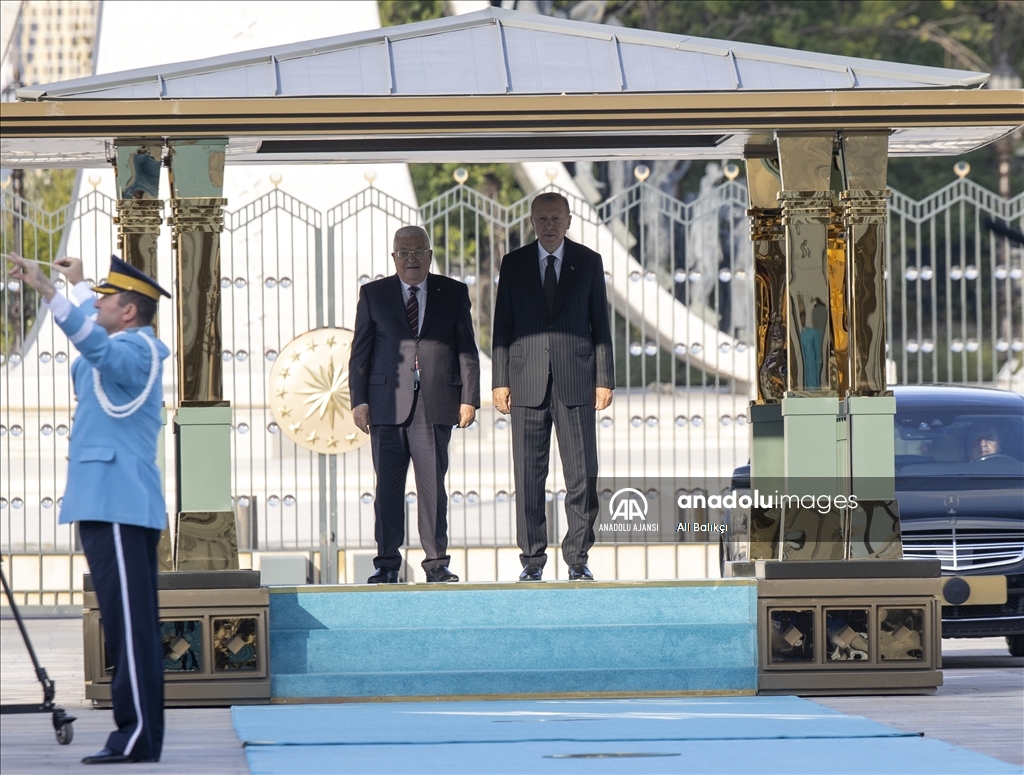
(197, 214)
(766, 224)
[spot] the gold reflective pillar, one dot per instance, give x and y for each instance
(767, 454)
(874, 525)
(767, 236)
(865, 158)
(139, 210)
(197, 181)
(206, 536)
(810, 408)
(805, 163)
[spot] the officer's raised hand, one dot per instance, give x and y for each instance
(71, 268)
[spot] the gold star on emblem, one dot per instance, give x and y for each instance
(331, 341)
(350, 437)
(312, 436)
(281, 393)
(285, 411)
(332, 442)
(296, 356)
(327, 389)
(312, 347)
(295, 426)
(285, 372)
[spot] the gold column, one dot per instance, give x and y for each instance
(197, 180)
(205, 537)
(806, 196)
(810, 408)
(767, 236)
(865, 158)
(766, 428)
(139, 212)
(874, 526)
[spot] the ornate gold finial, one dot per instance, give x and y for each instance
(310, 396)
(276, 178)
(962, 169)
(731, 171)
(461, 175)
(641, 172)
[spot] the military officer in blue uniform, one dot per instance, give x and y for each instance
(114, 491)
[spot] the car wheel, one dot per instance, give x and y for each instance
(1016, 644)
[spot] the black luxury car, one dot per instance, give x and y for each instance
(960, 490)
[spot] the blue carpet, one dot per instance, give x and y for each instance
(713, 735)
(884, 756)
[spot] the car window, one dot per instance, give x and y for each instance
(975, 443)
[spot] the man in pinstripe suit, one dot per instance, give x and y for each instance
(552, 365)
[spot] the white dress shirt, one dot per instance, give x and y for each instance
(60, 307)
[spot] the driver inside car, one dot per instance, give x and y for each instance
(983, 444)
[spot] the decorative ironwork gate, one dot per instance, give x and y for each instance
(956, 309)
(678, 277)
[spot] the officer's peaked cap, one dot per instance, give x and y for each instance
(125, 277)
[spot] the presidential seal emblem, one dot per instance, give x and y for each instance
(309, 395)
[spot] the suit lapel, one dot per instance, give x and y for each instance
(435, 302)
(567, 277)
(533, 274)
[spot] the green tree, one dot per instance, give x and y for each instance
(395, 12)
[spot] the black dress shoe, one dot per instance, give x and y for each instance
(383, 576)
(580, 572)
(531, 573)
(108, 756)
(441, 574)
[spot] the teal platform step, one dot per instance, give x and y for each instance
(506, 640)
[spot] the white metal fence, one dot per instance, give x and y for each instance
(680, 285)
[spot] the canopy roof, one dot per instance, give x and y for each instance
(499, 51)
(504, 85)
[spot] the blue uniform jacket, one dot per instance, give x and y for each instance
(112, 471)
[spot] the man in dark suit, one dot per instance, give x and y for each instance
(413, 374)
(552, 353)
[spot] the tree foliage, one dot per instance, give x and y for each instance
(395, 12)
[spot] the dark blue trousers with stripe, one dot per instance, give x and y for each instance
(123, 564)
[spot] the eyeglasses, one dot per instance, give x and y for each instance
(418, 253)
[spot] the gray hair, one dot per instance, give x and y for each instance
(411, 231)
(550, 197)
